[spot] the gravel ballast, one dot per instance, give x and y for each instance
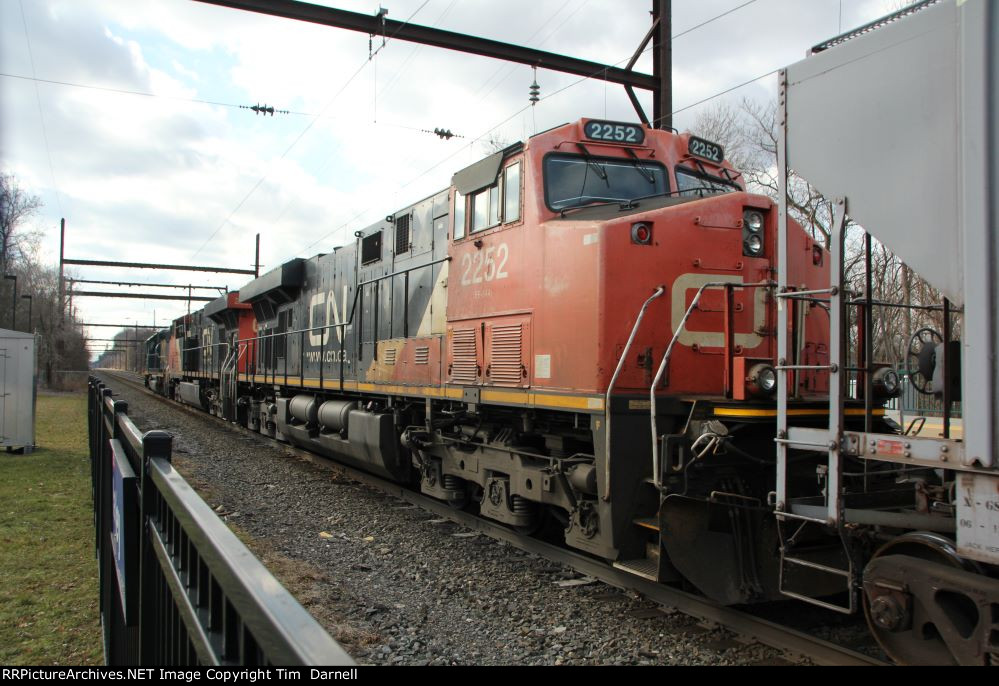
(398, 585)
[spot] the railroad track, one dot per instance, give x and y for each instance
(793, 643)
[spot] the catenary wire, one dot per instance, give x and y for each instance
(41, 114)
(299, 138)
(476, 139)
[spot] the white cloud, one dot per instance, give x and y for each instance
(151, 178)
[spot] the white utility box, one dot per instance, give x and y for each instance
(17, 390)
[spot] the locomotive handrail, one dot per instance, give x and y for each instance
(203, 347)
(325, 327)
(656, 476)
(358, 289)
(610, 387)
(199, 347)
(350, 320)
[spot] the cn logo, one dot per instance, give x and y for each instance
(715, 339)
(332, 315)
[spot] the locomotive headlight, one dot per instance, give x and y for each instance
(886, 383)
(753, 245)
(767, 380)
(762, 380)
(753, 221)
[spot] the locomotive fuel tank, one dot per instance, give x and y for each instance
(371, 444)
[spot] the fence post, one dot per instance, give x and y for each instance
(92, 416)
(154, 444)
(99, 470)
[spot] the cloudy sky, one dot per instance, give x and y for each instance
(124, 117)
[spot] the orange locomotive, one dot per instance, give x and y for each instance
(578, 336)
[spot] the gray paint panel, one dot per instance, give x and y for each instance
(993, 137)
(875, 120)
(979, 270)
(420, 288)
(441, 204)
(422, 228)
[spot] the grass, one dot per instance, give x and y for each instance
(48, 574)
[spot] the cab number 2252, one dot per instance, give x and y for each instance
(485, 265)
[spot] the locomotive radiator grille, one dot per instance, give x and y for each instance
(402, 234)
(464, 356)
(506, 365)
(390, 354)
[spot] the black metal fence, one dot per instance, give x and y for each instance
(916, 404)
(176, 585)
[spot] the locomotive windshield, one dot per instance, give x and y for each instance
(690, 183)
(574, 181)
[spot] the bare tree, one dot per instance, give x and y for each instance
(494, 143)
(749, 135)
(16, 207)
(61, 343)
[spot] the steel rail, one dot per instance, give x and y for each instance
(769, 633)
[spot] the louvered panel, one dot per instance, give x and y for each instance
(421, 355)
(506, 358)
(464, 357)
(390, 354)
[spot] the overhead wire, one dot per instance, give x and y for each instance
(330, 158)
(287, 150)
(41, 114)
(512, 68)
(218, 103)
(476, 139)
(125, 91)
(415, 50)
(300, 136)
(505, 67)
(322, 113)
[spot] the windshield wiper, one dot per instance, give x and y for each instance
(646, 174)
(591, 203)
(592, 163)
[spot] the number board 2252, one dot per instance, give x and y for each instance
(698, 147)
(614, 132)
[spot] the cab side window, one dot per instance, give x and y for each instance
(459, 215)
(511, 193)
(491, 206)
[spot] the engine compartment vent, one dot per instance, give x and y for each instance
(506, 366)
(464, 356)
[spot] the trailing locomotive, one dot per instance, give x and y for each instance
(578, 335)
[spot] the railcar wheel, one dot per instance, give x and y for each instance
(898, 620)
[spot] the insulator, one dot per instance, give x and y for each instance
(535, 91)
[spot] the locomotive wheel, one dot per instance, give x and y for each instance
(920, 359)
(920, 643)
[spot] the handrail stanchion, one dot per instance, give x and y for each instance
(610, 388)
